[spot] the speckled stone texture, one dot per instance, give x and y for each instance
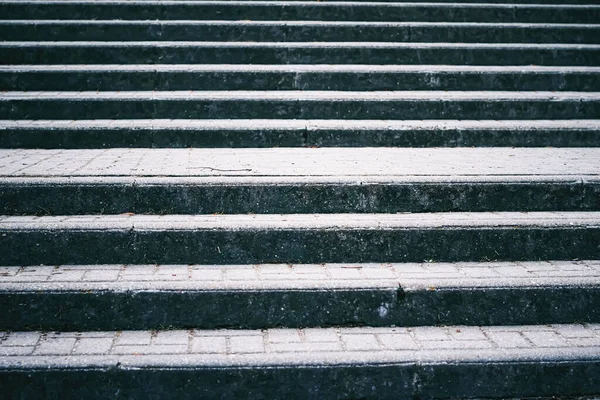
(299, 199)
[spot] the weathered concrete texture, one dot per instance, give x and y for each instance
(313, 238)
(297, 77)
(81, 134)
(298, 31)
(69, 196)
(154, 52)
(206, 181)
(282, 10)
(300, 104)
(244, 296)
(453, 361)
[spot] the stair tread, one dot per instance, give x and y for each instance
(306, 277)
(306, 68)
(387, 164)
(304, 347)
(301, 95)
(300, 222)
(300, 45)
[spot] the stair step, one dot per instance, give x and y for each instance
(294, 10)
(366, 180)
(106, 52)
(296, 77)
(297, 31)
(298, 238)
(355, 362)
(258, 133)
(108, 297)
(300, 104)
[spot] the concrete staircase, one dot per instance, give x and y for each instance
(299, 199)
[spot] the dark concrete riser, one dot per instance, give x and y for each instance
(57, 138)
(89, 310)
(55, 247)
(168, 198)
(396, 381)
(322, 80)
(182, 53)
(235, 108)
(146, 31)
(323, 12)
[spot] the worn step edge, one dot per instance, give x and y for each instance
(301, 104)
(297, 52)
(384, 363)
(296, 77)
(298, 238)
(288, 31)
(260, 296)
(299, 95)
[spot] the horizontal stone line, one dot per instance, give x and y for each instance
(300, 45)
(286, 222)
(301, 23)
(299, 124)
(300, 68)
(298, 95)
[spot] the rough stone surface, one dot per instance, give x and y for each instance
(393, 362)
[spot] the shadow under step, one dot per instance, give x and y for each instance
(298, 238)
(257, 133)
(378, 53)
(296, 77)
(297, 31)
(284, 10)
(115, 297)
(300, 104)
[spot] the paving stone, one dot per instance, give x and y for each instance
(509, 339)
(360, 342)
(208, 344)
(93, 346)
(247, 344)
(544, 339)
(134, 338)
(21, 339)
(172, 337)
(55, 346)
(398, 341)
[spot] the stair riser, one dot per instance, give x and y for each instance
(395, 381)
(191, 54)
(223, 80)
(285, 33)
(249, 246)
(108, 310)
(320, 12)
(60, 199)
(51, 138)
(88, 108)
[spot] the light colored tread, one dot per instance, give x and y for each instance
(359, 163)
(261, 277)
(301, 23)
(299, 95)
(301, 45)
(300, 68)
(304, 124)
(300, 222)
(295, 347)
